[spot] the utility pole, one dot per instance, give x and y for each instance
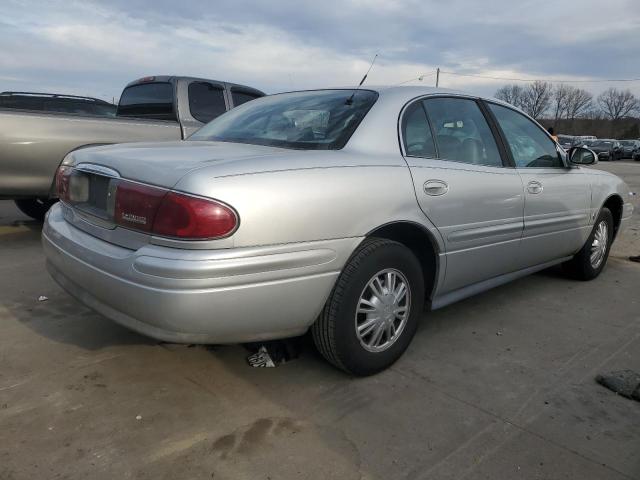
(437, 76)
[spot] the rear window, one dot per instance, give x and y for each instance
(240, 96)
(206, 101)
(312, 120)
(148, 100)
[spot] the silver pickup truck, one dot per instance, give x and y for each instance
(34, 143)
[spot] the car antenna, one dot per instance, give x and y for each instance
(349, 100)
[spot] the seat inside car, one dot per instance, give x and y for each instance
(449, 147)
(471, 151)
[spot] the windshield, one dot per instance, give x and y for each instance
(313, 120)
(601, 143)
(628, 143)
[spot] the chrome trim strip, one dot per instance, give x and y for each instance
(97, 169)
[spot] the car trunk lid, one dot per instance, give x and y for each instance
(94, 175)
(164, 163)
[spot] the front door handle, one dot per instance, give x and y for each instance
(534, 187)
(435, 187)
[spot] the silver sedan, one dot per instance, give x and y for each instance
(343, 211)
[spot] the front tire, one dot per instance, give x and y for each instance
(592, 257)
(373, 311)
(35, 208)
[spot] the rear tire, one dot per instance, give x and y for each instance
(35, 208)
(367, 322)
(592, 257)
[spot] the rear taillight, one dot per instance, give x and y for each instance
(152, 210)
(136, 205)
(170, 214)
(188, 217)
(62, 182)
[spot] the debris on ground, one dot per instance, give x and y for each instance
(261, 358)
(138, 417)
(623, 382)
(42, 298)
(499, 333)
(635, 259)
(274, 353)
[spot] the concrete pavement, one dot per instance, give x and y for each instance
(499, 386)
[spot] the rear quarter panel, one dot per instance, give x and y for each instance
(313, 203)
(32, 145)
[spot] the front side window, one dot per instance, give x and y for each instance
(530, 146)
(416, 134)
(313, 120)
(462, 133)
(206, 101)
(148, 100)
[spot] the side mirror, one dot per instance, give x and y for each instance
(582, 156)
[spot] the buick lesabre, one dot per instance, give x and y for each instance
(348, 212)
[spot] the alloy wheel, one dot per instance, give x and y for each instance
(383, 309)
(599, 244)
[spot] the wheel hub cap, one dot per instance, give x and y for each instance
(382, 311)
(599, 244)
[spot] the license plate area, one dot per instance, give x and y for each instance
(93, 194)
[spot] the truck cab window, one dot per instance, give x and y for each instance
(241, 96)
(148, 100)
(206, 101)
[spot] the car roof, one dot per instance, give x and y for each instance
(401, 94)
(409, 92)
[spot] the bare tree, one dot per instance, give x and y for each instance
(579, 102)
(537, 98)
(511, 94)
(561, 96)
(617, 104)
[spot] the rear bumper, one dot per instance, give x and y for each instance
(196, 296)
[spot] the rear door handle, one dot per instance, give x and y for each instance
(435, 187)
(534, 187)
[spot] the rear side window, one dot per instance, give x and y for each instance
(416, 134)
(241, 96)
(148, 100)
(206, 101)
(529, 144)
(462, 132)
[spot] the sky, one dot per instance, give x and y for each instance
(95, 47)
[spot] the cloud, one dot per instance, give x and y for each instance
(96, 47)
